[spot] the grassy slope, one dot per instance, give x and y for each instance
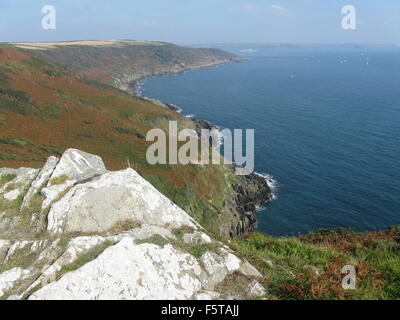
(45, 109)
(309, 267)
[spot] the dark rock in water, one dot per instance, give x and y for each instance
(173, 107)
(204, 124)
(250, 192)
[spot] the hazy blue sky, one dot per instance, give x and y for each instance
(203, 21)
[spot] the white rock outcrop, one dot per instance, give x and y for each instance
(42, 178)
(98, 205)
(15, 187)
(74, 166)
(10, 277)
(130, 271)
(109, 235)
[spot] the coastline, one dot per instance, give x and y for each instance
(133, 86)
(251, 193)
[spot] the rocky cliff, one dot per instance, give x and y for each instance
(75, 230)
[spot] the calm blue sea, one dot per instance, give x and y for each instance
(327, 126)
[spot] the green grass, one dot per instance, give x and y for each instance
(124, 225)
(18, 142)
(21, 222)
(22, 258)
(203, 212)
(15, 95)
(11, 207)
(180, 232)
(15, 66)
(156, 239)
(131, 132)
(85, 258)
(309, 267)
(198, 250)
(4, 179)
(51, 150)
(59, 180)
(7, 156)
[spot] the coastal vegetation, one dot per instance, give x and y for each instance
(309, 266)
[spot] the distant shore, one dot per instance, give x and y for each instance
(134, 86)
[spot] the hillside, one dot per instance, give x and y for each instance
(46, 109)
(120, 63)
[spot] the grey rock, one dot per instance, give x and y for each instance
(75, 166)
(13, 189)
(249, 270)
(41, 179)
(255, 290)
(215, 268)
(96, 206)
(129, 271)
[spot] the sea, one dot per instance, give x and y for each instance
(327, 129)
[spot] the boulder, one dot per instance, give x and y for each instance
(74, 166)
(97, 205)
(255, 290)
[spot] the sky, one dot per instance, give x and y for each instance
(203, 21)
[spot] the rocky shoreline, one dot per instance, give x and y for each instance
(250, 193)
(131, 84)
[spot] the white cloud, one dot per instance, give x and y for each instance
(279, 8)
(281, 11)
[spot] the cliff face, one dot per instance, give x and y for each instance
(248, 194)
(74, 230)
